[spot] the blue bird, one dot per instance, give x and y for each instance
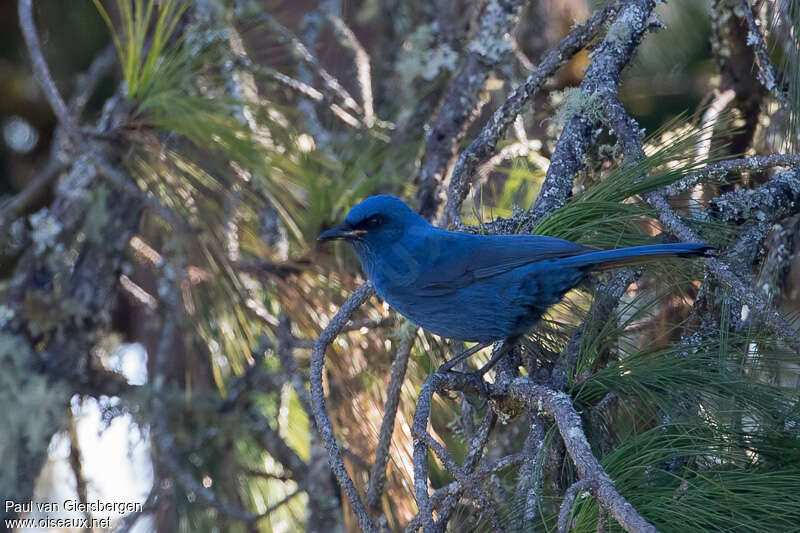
(481, 288)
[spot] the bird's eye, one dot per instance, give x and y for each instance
(374, 221)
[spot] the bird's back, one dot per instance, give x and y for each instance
(475, 287)
(489, 287)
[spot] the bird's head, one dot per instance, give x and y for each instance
(378, 220)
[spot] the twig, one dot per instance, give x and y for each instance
(433, 383)
(285, 345)
(276, 446)
(766, 71)
(454, 487)
(494, 130)
(42, 74)
(756, 163)
(463, 478)
(348, 39)
(559, 406)
(474, 454)
(149, 506)
(99, 67)
(601, 79)
(40, 69)
(14, 206)
(569, 501)
(529, 483)
(377, 476)
(324, 426)
(369, 324)
(462, 101)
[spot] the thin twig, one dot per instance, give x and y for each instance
(43, 77)
(766, 70)
(569, 501)
(324, 426)
(462, 101)
(474, 454)
(466, 481)
(377, 476)
(433, 383)
(454, 487)
(285, 345)
(483, 146)
(559, 406)
(14, 206)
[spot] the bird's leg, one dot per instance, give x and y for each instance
(448, 366)
(507, 346)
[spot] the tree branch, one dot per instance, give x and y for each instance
(377, 475)
(486, 142)
(601, 79)
(463, 101)
(42, 74)
(766, 70)
(559, 406)
(324, 426)
(719, 169)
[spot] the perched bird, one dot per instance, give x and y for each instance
(481, 288)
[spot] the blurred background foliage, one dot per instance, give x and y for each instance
(237, 116)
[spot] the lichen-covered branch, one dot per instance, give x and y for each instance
(486, 142)
(602, 77)
(559, 406)
(377, 477)
(463, 101)
(766, 70)
(719, 169)
(771, 318)
(324, 426)
(65, 117)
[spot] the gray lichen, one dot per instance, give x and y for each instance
(44, 230)
(34, 408)
(493, 45)
(573, 101)
(420, 58)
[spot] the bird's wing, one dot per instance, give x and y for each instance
(471, 258)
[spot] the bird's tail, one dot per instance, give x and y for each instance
(634, 254)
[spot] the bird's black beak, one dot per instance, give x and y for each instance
(341, 231)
